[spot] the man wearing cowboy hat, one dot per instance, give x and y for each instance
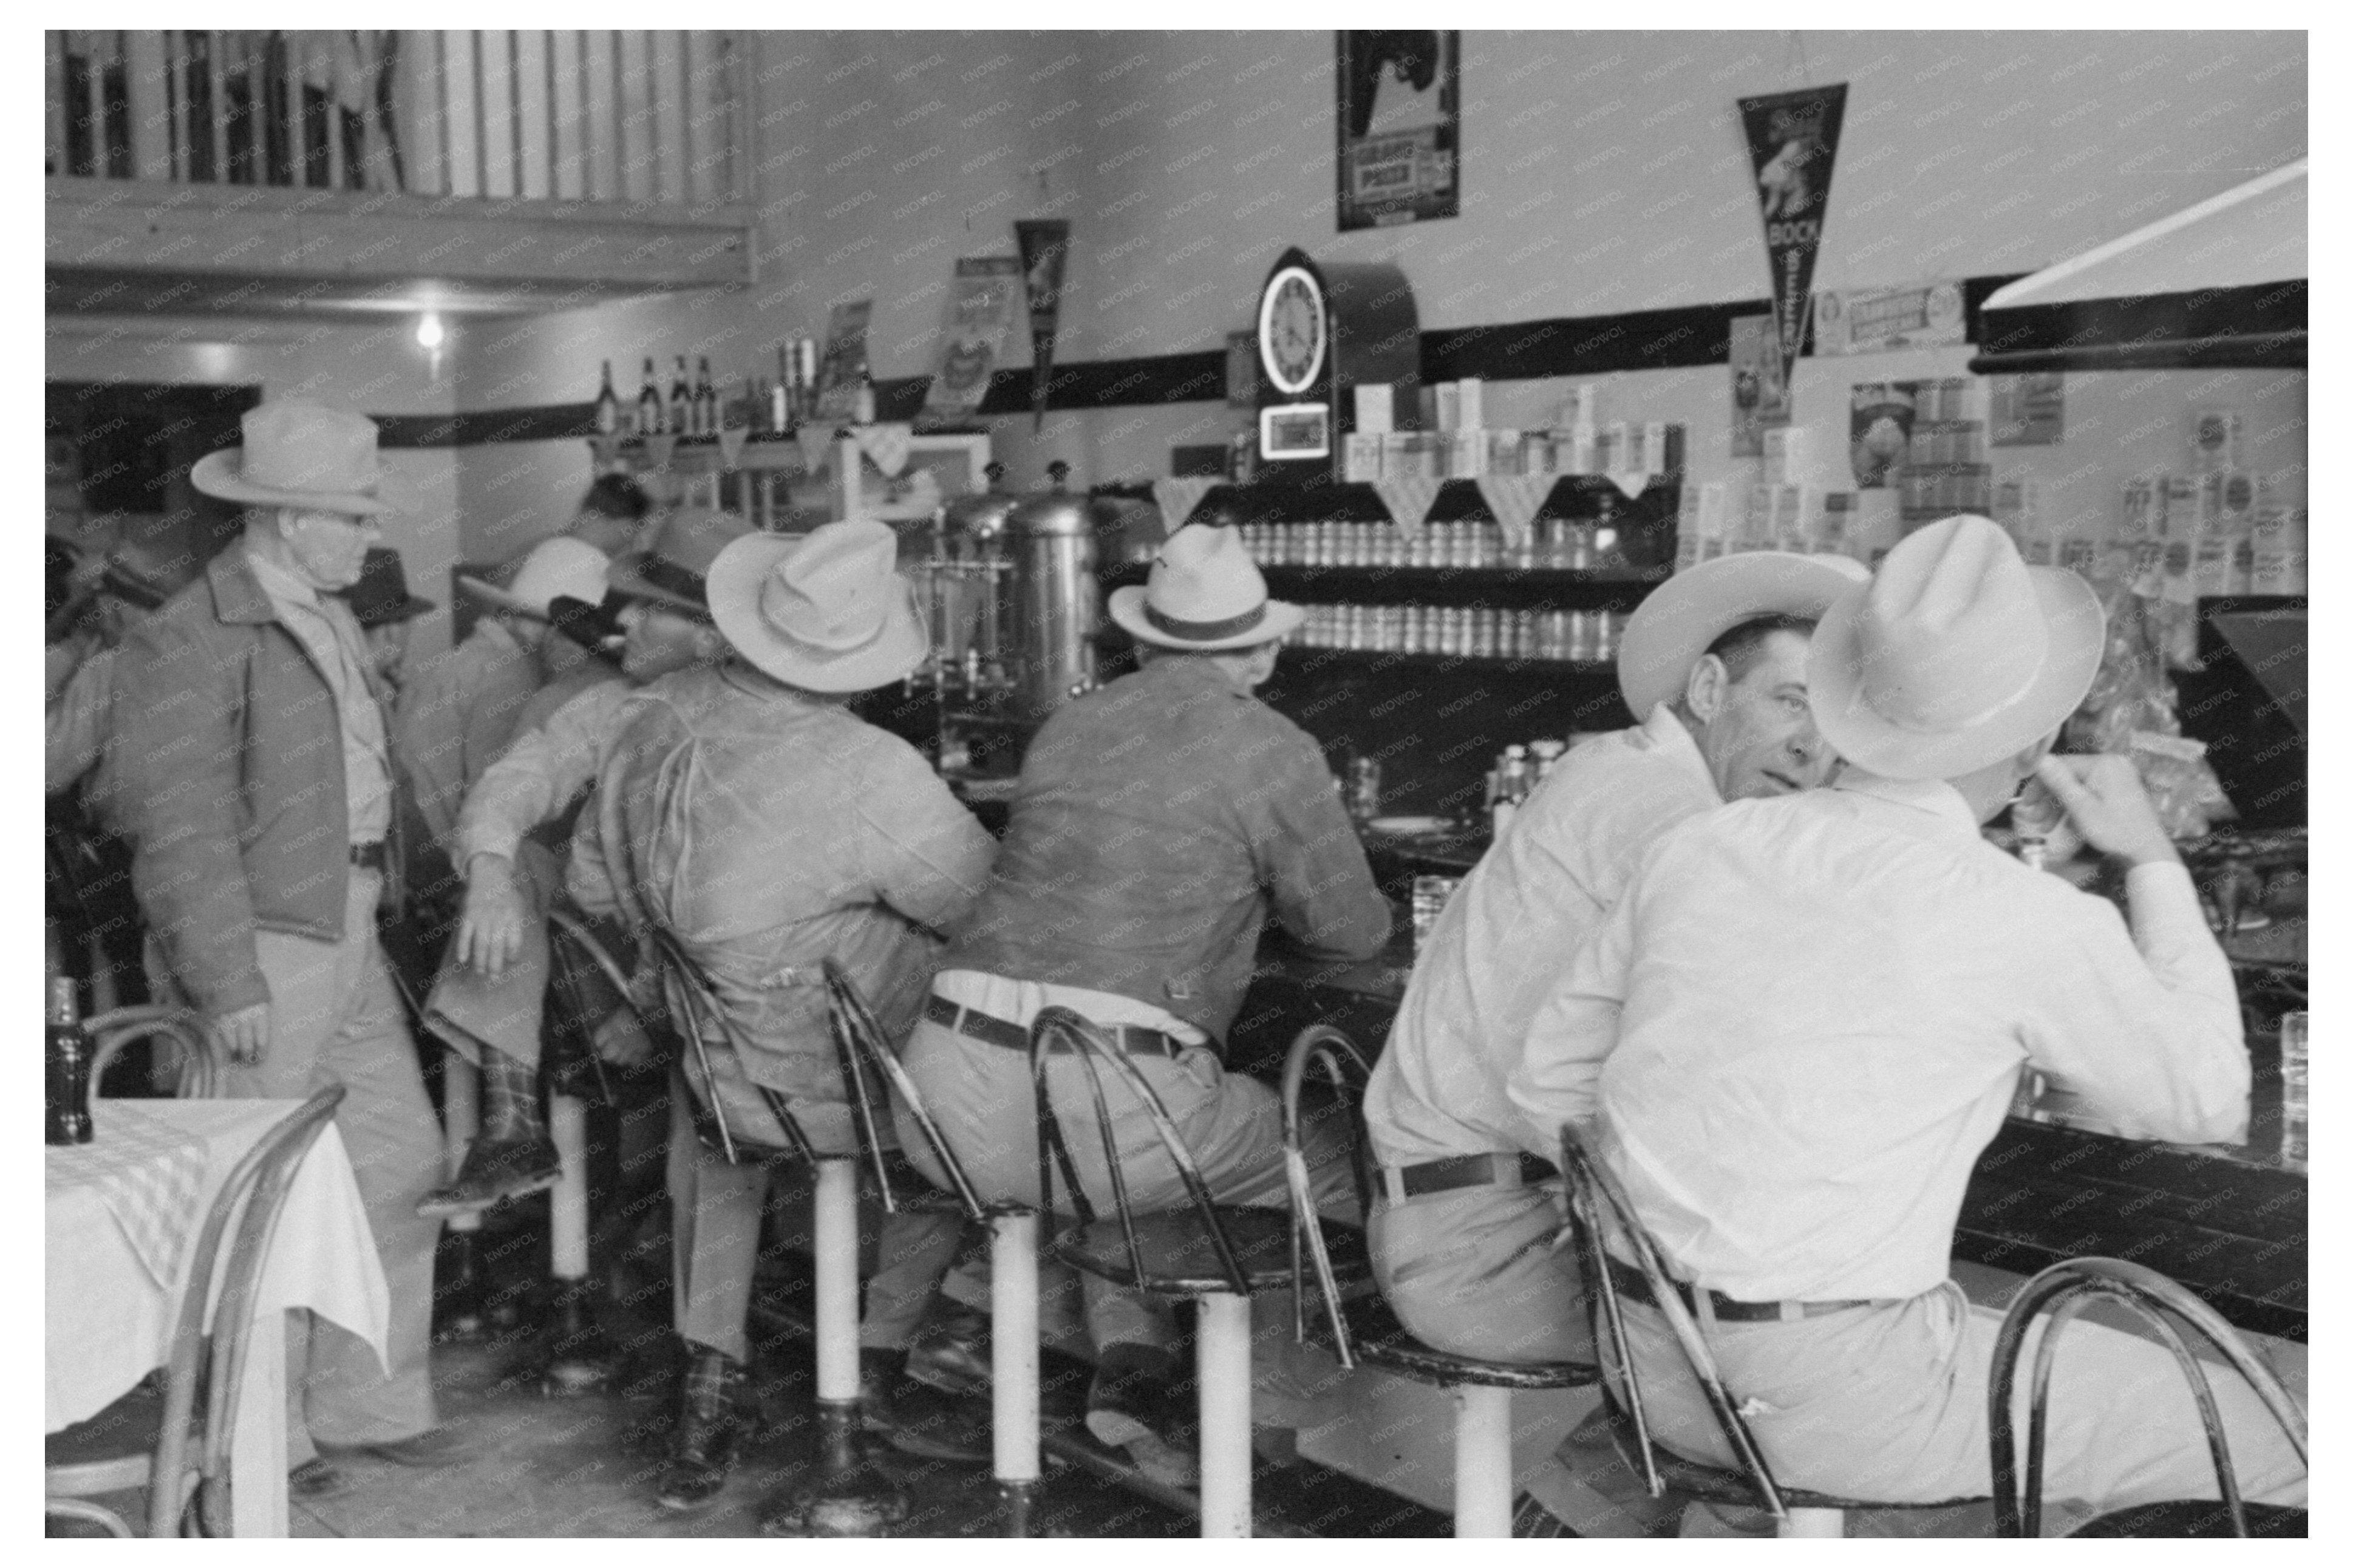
(1805, 1019)
(383, 607)
(1158, 823)
(745, 813)
(255, 783)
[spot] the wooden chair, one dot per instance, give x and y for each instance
(2065, 1290)
(144, 1441)
(1365, 1331)
(111, 1032)
(1598, 1207)
(1217, 1254)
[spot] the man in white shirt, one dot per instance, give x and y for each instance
(1805, 1019)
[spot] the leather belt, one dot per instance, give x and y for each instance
(1403, 1182)
(1632, 1284)
(368, 856)
(1131, 1038)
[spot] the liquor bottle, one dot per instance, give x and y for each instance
(609, 406)
(706, 400)
(68, 1066)
(681, 402)
(865, 398)
(780, 406)
(650, 403)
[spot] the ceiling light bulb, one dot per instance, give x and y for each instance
(429, 329)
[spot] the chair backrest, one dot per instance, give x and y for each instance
(694, 1003)
(2062, 1291)
(867, 1059)
(1599, 1207)
(257, 1184)
(1059, 1026)
(1320, 1045)
(110, 1031)
(576, 961)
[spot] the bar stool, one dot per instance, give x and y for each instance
(1012, 1244)
(1217, 1254)
(2065, 1290)
(111, 1032)
(1365, 1330)
(1597, 1202)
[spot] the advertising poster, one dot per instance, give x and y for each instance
(2030, 410)
(1879, 432)
(1792, 143)
(980, 313)
(844, 364)
(1760, 394)
(1045, 256)
(1874, 320)
(1399, 127)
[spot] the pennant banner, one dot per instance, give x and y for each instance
(980, 313)
(1045, 248)
(1514, 499)
(1409, 500)
(1176, 498)
(1792, 143)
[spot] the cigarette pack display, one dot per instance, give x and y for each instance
(1578, 452)
(1450, 405)
(1793, 504)
(1360, 458)
(1471, 403)
(1506, 452)
(1580, 410)
(1714, 519)
(1467, 454)
(1785, 455)
(1653, 455)
(1376, 409)
(1755, 531)
(2218, 439)
(2278, 557)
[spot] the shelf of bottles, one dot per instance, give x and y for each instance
(689, 444)
(1449, 634)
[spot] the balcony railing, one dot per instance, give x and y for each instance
(640, 118)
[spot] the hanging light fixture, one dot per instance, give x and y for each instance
(430, 337)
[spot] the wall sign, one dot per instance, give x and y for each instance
(844, 367)
(1873, 321)
(1399, 127)
(980, 313)
(1760, 393)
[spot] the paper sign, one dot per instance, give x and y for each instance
(980, 313)
(2030, 410)
(1874, 320)
(1760, 394)
(844, 366)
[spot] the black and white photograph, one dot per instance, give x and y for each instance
(1322, 782)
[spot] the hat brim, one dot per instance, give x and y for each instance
(221, 475)
(1126, 608)
(1677, 621)
(735, 581)
(623, 580)
(586, 624)
(2071, 619)
(409, 608)
(497, 597)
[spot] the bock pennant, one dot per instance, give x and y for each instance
(1045, 248)
(1792, 142)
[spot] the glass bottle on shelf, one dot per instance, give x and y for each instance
(679, 419)
(649, 402)
(609, 406)
(706, 400)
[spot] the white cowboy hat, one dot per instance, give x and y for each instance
(1674, 626)
(561, 565)
(298, 453)
(1204, 595)
(1956, 656)
(825, 613)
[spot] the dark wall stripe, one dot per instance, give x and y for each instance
(1675, 338)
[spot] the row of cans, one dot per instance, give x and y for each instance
(1553, 543)
(1470, 631)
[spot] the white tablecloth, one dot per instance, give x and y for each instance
(108, 1321)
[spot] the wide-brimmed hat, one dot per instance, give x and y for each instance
(825, 612)
(1956, 656)
(381, 597)
(298, 453)
(673, 569)
(561, 567)
(1675, 623)
(1204, 595)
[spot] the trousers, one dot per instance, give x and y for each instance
(1473, 1272)
(1888, 1403)
(335, 1019)
(715, 1210)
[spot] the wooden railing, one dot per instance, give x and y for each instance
(579, 116)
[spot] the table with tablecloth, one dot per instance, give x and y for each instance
(123, 1214)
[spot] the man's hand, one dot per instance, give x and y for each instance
(244, 1034)
(489, 930)
(622, 1040)
(2109, 806)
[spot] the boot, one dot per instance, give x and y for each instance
(715, 1413)
(1133, 1404)
(512, 1156)
(917, 1419)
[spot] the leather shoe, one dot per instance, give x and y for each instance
(951, 1352)
(919, 1420)
(716, 1413)
(314, 1480)
(496, 1170)
(435, 1448)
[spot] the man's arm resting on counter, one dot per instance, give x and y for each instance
(1313, 864)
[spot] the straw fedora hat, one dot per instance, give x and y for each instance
(1956, 656)
(825, 613)
(1674, 624)
(558, 567)
(298, 453)
(673, 570)
(1205, 596)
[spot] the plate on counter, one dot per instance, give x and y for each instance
(1414, 827)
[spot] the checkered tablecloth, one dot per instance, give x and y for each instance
(148, 1174)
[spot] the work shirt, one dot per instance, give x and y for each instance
(1806, 1017)
(455, 717)
(769, 831)
(323, 624)
(1507, 934)
(543, 768)
(77, 721)
(1157, 823)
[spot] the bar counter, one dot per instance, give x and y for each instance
(2227, 1222)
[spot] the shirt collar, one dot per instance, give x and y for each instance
(1673, 739)
(1940, 799)
(282, 585)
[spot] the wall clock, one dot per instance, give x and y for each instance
(1293, 331)
(1325, 329)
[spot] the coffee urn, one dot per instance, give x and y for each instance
(1051, 609)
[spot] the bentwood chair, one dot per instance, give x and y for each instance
(2062, 1291)
(142, 1440)
(111, 1032)
(1598, 1209)
(1365, 1331)
(1216, 1254)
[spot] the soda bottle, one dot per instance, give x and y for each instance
(69, 1062)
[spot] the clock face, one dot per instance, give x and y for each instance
(1291, 329)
